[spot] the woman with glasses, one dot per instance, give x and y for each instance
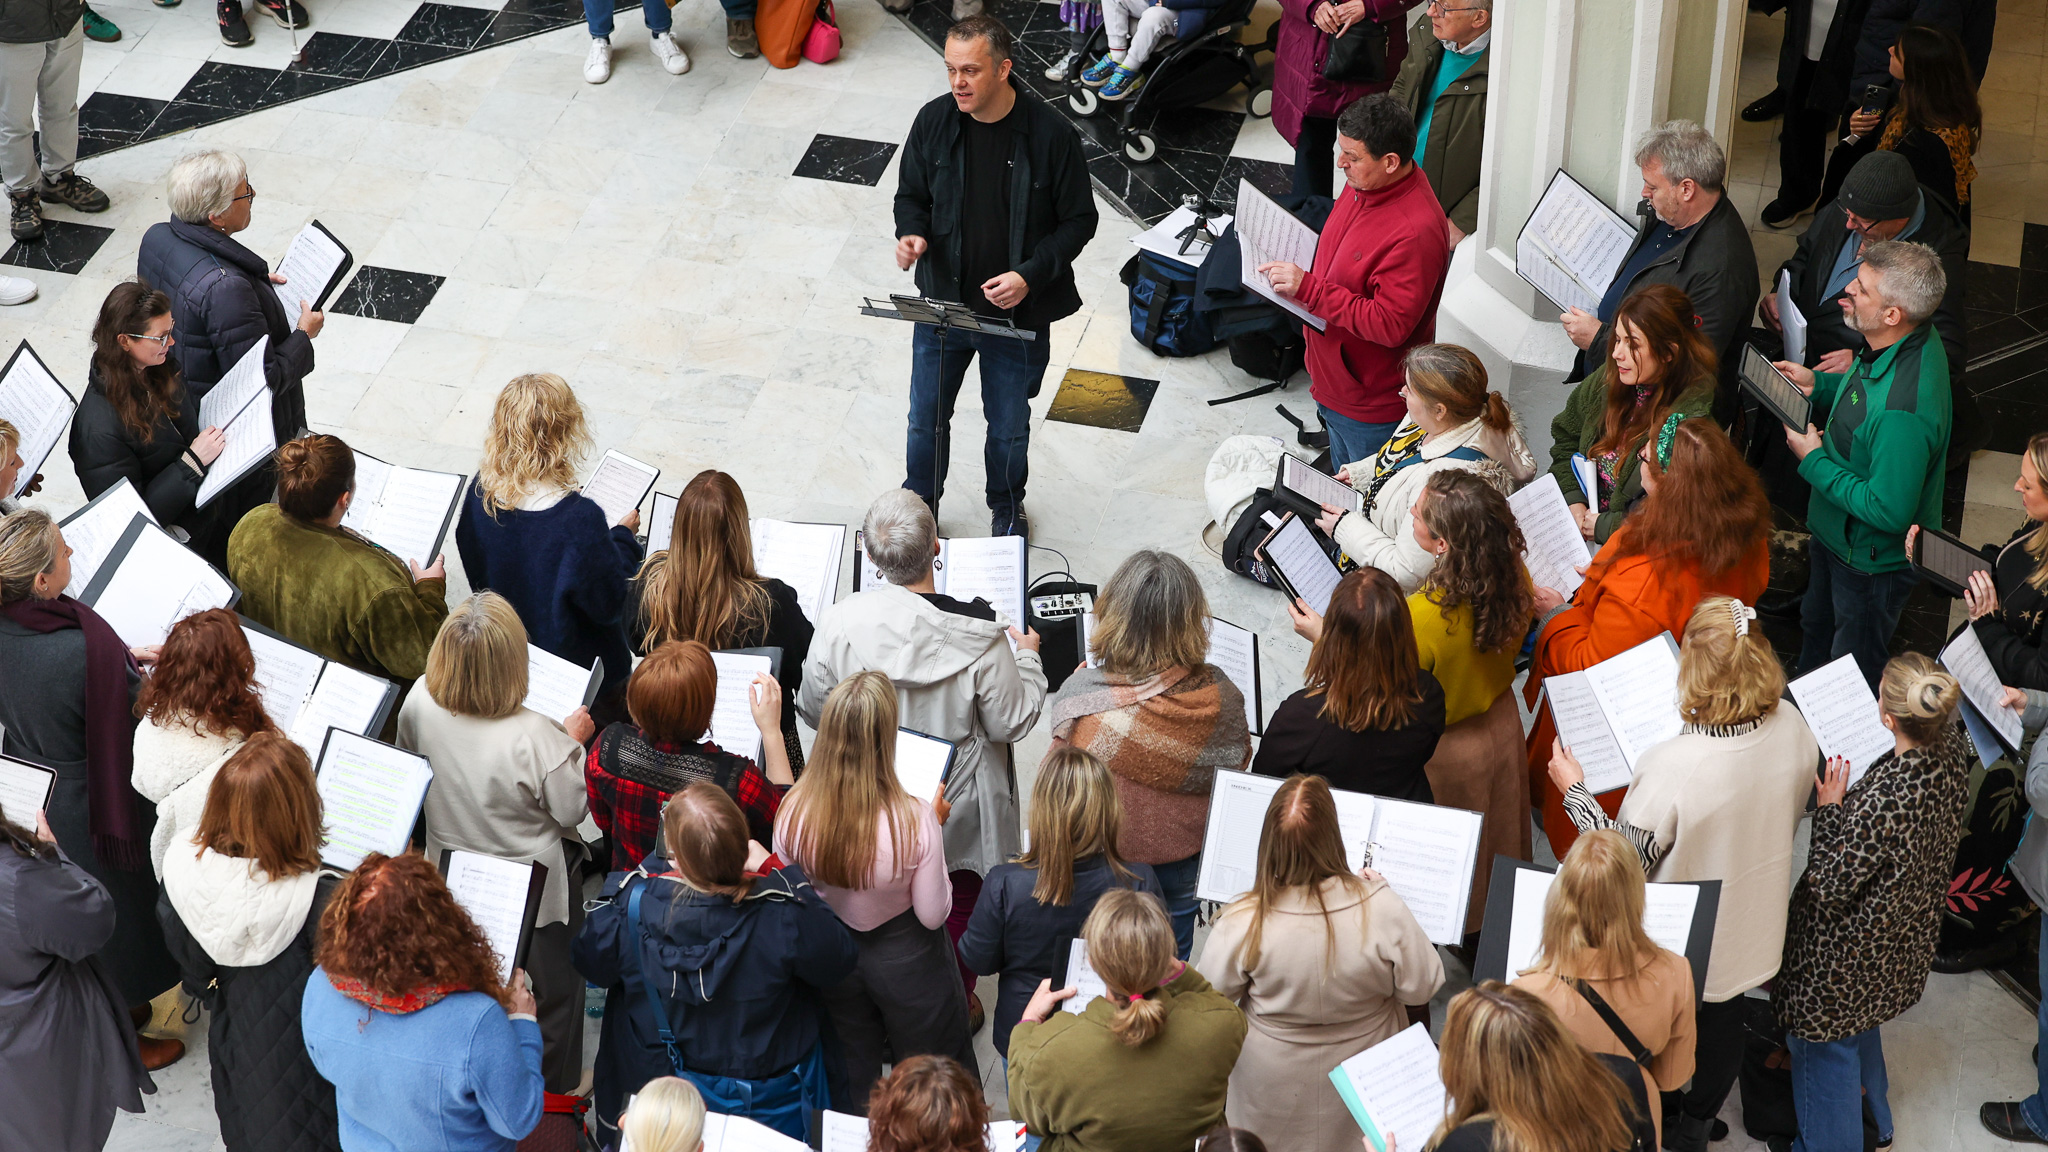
(224, 297)
(136, 423)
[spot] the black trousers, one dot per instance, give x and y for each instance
(1315, 156)
(1802, 142)
(903, 998)
(1717, 1060)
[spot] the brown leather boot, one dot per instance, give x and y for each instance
(158, 1053)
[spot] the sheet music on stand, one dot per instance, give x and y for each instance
(1266, 233)
(406, 511)
(1779, 396)
(312, 269)
(1572, 245)
(94, 530)
(149, 582)
(39, 407)
(943, 314)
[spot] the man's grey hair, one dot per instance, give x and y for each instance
(1910, 277)
(1686, 151)
(203, 184)
(898, 534)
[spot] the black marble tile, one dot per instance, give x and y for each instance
(107, 121)
(1265, 175)
(299, 85)
(404, 54)
(240, 87)
(182, 115)
(558, 10)
(447, 25)
(1991, 287)
(846, 160)
(510, 26)
(334, 54)
(2034, 247)
(65, 247)
(387, 294)
(2012, 420)
(1103, 400)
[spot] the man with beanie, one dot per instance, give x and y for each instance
(41, 45)
(1880, 200)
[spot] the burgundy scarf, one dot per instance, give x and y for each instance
(118, 838)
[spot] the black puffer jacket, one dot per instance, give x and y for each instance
(2016, 636)
(222, 302)
(266, 1091)
(105, 451)
(36, 21)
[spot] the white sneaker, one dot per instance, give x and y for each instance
(671, 54)
(15, 290)
(1065, 65)
(597, 67)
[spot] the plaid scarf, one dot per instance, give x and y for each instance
(1169, 732)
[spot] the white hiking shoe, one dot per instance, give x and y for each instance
(597, 67)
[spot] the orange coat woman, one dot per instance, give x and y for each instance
(1702, 530)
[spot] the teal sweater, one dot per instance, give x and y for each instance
(1878, 469)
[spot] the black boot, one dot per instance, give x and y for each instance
(1683, 1133)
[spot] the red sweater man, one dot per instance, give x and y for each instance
(1379, 272)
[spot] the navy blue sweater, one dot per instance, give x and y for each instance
(563, 569)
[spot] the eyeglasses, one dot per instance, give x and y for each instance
(249, 195)
(164, 340)
(1439, 8)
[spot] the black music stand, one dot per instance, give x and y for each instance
(945, 315)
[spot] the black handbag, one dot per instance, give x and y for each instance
(1359, 56)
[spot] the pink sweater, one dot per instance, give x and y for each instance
(893, 888)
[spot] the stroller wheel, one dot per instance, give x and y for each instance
(1258, 103)
(1141, 146)
(1083, 100)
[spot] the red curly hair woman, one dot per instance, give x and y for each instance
(197, 708)
(407, 1018)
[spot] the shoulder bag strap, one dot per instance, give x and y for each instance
(1628, 1039)
(637, 967)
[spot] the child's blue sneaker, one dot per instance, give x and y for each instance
(1099, 72)
(1122, 83)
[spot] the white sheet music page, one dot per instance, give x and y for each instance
(371, 793)
(1230, 844)
(493, 892)
(285, 676)
(345, 699)
(619, 484)
(233, 391)
(1639, 692)
(38, 407)
(1427, 853)
(740, 1134)
(803, 556)
(661, 525)
(732, 711)
(554, 687)
(402, 509)
(24, 790)
(1266, 232)
(93, 530)
(920, 763)
(989, 567)
(158, 583)
(1308, 568)
(251, 439)
(307, 266)
(1236, 651)
(1791, 319)
(1577, 242)
(1301, 477)
(1556, 549)
(1582, 725)
(1080, 975)
(1842, 712)
(1397, 1083)
(1667, 916)
(1964, 657)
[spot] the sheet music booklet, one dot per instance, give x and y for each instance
(239, 405)
(149, 582)
(502, 896)
(1965, 658)
(732, 710)
(1791, 320)
(1677, 917)
(724, 1133)
(306, 694)
(1266, 232)
(1612, 713)
(555, 687)
(619, 484)
(25, 790)
(1556, 549)
(39, 407)
(1589, 480)
(1572, 245)
(1305, 489)
(1425, 851)
(803, 555)
(1075, 972)
(1839, 708)
(1774, 390)
(1943, 559)
(406, 511)
(312, 269)
(923, 762)
(94, 530)
(1394, 1088)
(990, 568)
(1298, 561)
(845, 1133)
(371, 792)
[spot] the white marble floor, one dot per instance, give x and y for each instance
(646, 240)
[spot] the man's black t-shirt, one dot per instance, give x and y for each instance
(985, 208)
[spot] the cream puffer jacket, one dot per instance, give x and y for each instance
(1383, 537)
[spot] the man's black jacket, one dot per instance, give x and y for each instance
(1814, 259)
(1052, 207)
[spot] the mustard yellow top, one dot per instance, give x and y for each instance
(1471, 679)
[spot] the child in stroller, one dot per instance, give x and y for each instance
(1136, 28)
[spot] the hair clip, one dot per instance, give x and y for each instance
(1664, 437)
(1742, 614)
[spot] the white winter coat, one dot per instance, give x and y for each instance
(174, 766)
(956, 679)
(1383, 537)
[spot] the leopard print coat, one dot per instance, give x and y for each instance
(1860, 937)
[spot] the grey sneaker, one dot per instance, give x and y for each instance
(1064, 67)
(740, 39)
(962, 9)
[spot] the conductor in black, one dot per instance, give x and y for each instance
(992, 206)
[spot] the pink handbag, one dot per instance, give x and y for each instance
(821, 44)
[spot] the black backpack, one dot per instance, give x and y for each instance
(1247, 532)
(1163, 315)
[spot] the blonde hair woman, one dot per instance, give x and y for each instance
(1030, 907)
(1515, 1080)
(1719, 801)
(874, 853)
(1324, 962)
(700, 584)
(1867, 911)
(666, 1115)
(11, 465)
(508, 782)
(1595, 953)
(1160, 716)
(1144, 1068)
(529, 535)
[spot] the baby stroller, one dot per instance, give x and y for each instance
(1183, 74)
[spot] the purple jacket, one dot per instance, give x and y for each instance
(1298, 86)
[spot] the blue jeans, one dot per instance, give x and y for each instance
(1849, 612)
(1353, 440)
(1177, 884)
(1830, 1082)
(1010, 372)
(598, 14)
(2034, 1109)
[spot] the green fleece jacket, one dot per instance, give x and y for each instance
(1883, 446)
(1082, 1090)
(335, 593)
(1577, 429)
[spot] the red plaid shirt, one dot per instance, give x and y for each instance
(629, 811)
